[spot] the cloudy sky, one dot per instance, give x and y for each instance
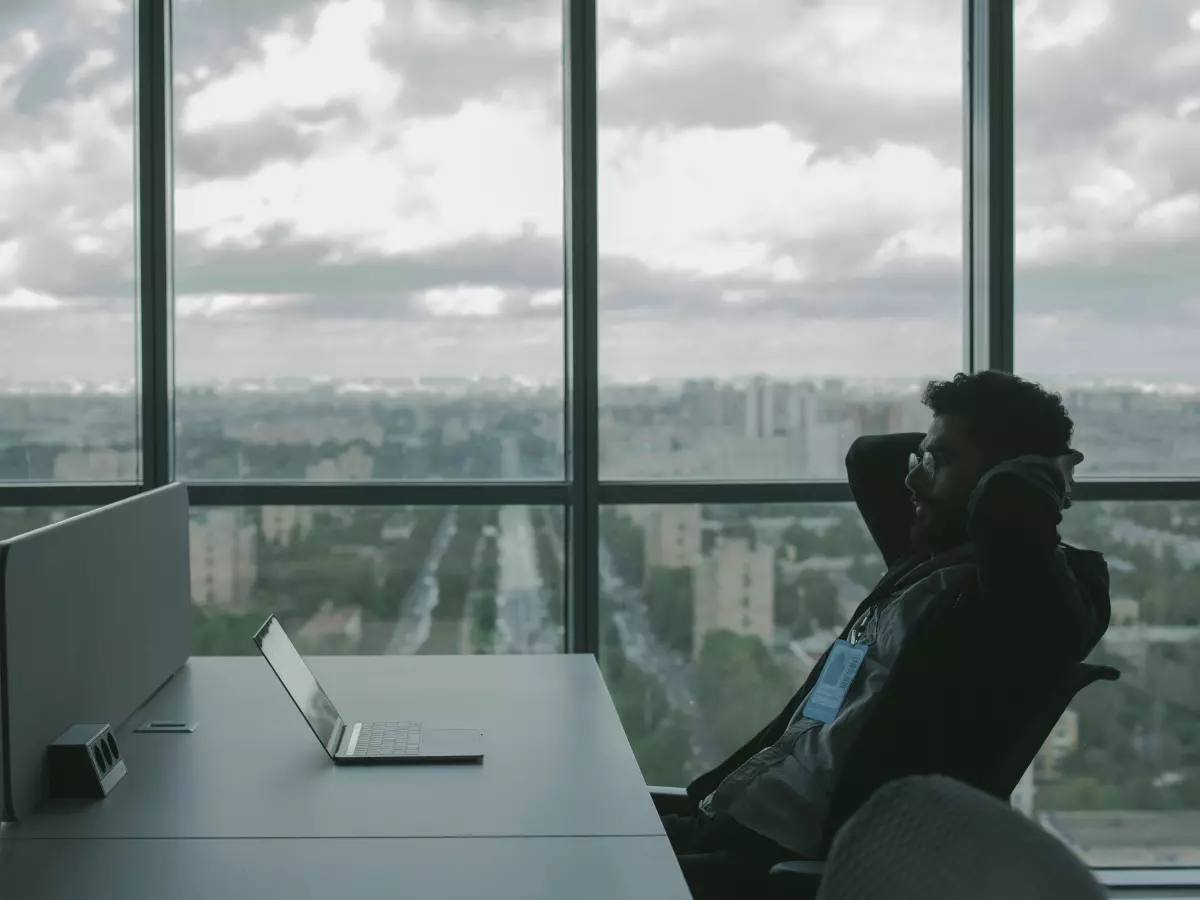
(374, 188)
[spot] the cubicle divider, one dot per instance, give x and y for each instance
(95, 616)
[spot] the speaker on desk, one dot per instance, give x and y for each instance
(84, 762)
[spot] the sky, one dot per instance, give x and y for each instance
(374, 188)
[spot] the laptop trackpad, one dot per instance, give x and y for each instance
(459, 743)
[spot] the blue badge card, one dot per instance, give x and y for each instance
(837, 675)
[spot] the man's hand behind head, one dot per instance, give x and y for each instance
(1066, 466)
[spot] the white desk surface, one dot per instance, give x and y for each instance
(556, 760)
(597, 868)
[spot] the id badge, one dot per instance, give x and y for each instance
(835, 679)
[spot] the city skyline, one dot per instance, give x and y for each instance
(367, 190)
(397, 385)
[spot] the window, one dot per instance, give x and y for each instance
(693, 676)
(368, 240)
(1119, 778)
(444, 580)
(370, 335)
(780, 230)
(15, 521)
(68, 352)
(1108, 225)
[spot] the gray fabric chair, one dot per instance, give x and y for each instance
(801, 879)
(930, 837)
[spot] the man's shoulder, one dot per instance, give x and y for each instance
(1077, 552)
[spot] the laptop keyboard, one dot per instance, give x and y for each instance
(388, 739)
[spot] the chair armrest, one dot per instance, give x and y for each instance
(796, 880)
(671, 800)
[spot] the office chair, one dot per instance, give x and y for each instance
(930, 837)
(802, 879)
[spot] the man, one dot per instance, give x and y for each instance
(981, 611)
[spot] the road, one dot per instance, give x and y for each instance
(416, 609)
(522, 624)
(644, 650)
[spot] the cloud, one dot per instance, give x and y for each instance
(457, 51)
(218, 35)
(234, 151)
(294, 280)
(374, 187)
(1095, 152)
(845, 77)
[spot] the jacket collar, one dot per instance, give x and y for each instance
(909, 571)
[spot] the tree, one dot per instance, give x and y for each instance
(808, 603)
(801, 539)
(669, 604)
(660, 737)
(664, 753)
(844, 538)
(627, 544)
(787, 605)
(485, 612)
(866, 570)
(818, 599)
(741, 687)
(550, 570)
(216, 633)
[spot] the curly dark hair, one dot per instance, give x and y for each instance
(1006, 416)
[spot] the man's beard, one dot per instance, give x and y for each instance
(937, 528)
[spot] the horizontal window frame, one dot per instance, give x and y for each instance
(1147, 881)
(530, 493)
(380, 493)
(67, 493)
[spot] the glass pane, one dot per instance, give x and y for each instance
(18, 520)
(368, 241)
(714, 615)
(1119, 778)
(780, 228)
(68, 336)
(441, 580)
(1108, 224)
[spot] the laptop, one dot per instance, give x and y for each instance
(361, 742)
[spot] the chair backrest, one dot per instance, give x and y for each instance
(1003, 780)
(928, 837)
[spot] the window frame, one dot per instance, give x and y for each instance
(988, 330)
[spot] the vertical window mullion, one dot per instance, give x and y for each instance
(988, 184)
(581, 322)
(155, 235)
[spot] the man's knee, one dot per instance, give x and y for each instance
(673, 804)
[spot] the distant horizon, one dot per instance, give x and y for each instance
(285, 384)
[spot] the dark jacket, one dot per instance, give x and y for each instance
(976, 663)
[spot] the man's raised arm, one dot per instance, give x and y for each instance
(876, 466)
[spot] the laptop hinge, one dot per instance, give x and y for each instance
(353, 738)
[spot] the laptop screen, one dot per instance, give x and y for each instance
(299, 682)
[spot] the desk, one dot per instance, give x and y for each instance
(249, 804)
(556, 760)
(361, 869)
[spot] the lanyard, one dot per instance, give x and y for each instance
(858, 632)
